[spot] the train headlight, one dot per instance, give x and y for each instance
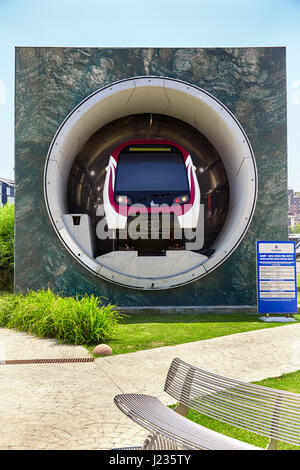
(182, 199)
(123, 200)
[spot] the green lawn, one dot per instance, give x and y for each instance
(289, 382)
(139, 332)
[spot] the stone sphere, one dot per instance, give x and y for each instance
(103, 350)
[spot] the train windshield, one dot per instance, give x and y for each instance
(151, 170)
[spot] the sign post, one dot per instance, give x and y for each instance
(276, 278)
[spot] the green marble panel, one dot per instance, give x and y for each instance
(50, 82)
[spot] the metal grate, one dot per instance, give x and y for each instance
(47, 361)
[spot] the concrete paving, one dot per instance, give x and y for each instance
(70, 405)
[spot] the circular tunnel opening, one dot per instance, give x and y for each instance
(88, 174)
(150, 109)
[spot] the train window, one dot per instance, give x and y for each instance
(151, 170)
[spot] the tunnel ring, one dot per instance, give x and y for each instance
(177, 99)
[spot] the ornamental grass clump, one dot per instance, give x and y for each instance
(6, 247)
(76, 320)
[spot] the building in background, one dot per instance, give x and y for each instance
(7, 191)
(292, 222)
(294, 207)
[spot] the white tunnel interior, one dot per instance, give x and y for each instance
(161, 96)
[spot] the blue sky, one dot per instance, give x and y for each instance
(141, 23)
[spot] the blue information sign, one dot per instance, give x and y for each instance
(276, 277)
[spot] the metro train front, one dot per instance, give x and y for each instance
(154, 180)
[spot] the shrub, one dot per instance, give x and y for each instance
(76, 320)
(6, 246)
(295, 229)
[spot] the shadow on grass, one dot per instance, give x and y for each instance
(136, 318)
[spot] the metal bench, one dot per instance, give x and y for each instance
(262, 410)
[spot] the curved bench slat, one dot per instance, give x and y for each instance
(154, 416)
(263, 410)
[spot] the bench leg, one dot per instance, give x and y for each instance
(181, 409)
(272, 445)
